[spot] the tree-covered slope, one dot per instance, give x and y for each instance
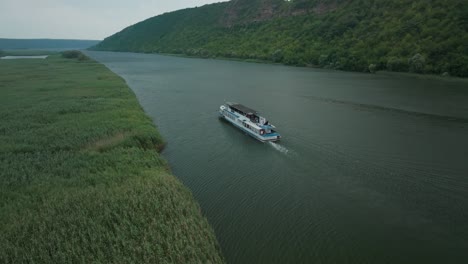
(420, 36)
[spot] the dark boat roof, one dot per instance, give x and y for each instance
(242, 108)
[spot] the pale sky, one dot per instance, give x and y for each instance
(80, 19)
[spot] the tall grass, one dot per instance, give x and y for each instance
(81, 179)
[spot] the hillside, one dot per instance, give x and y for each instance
(365, 35)
(8, 44)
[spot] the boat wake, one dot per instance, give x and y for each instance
(278, 147)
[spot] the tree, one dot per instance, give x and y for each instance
(397, 64)
(277, 56)
(74, 54)
(323, 60)
(417, 63)
(459, 66)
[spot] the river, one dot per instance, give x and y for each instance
(370, 169)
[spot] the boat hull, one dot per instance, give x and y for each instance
(240, 122)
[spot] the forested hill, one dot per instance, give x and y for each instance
(46, 43)
(423, 36)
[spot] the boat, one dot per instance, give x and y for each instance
(249, 121)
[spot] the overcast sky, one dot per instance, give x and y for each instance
(80, 19)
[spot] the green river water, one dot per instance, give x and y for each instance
(370, 169)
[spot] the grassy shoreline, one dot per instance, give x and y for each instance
(82, 179)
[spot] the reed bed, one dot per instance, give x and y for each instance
(81, 177)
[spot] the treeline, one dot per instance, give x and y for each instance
(364, 35)
(7, 44)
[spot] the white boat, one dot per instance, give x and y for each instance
(249, 121)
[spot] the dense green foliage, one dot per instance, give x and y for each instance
(46, 43)
(81, 180)
(409, 36)
(74, 54)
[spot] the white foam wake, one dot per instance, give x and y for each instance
(278, 147)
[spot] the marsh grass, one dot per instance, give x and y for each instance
(81, 178)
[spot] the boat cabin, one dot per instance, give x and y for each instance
(251, 114)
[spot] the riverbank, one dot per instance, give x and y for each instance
(423, 76)
(82, 179)
(384, 73)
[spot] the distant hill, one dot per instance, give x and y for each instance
(422, 36)
(8, 44)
